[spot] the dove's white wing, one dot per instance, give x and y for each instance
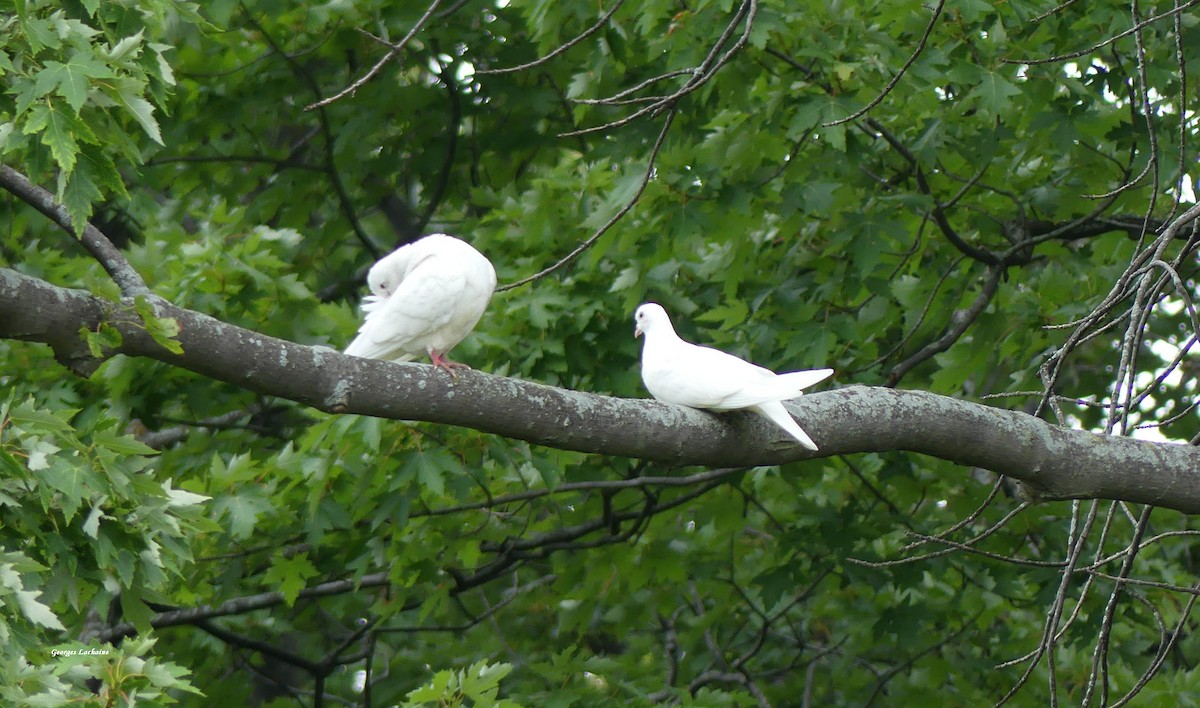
(702, 377)
(398, 327)
(779, 387)
(680, 372)
(428, 296)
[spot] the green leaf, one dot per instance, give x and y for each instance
(288, 576)
(101, 341)
(57, 130)
(134, 609)
(241, 512)
(481, 680)
(129, 45)
(71, 80)
(167, 675)
(129, 94)
(39, 32)
(26, 413)
(7, 133)
(430, 471)
(123, 444)
(101, 170)
(162, 329)
(79, 193)
(995, 93)
(627, 278)
(37, 612)
(91, 525)
(182, 497)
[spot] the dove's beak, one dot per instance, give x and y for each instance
(637, 331)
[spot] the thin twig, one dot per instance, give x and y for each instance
(591, 240)
(393, 50)
(701, 74)
(1075, 55)
(960, 320)
(560, 49)
(327, 134)
(634, 483)
(937, 12)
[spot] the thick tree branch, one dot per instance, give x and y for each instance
(1055, 462)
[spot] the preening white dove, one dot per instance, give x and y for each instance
(425, 298)
(677, 371)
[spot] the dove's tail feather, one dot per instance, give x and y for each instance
(771, 388)
(779, 416)
(796, 381)
(367, 348)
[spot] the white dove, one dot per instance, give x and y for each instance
(676, 371)
(426, 297)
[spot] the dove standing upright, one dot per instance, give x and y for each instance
(425, 298)
(676, 371)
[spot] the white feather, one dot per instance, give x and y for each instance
(426, 297)
(677, 371)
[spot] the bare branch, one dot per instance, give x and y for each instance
(102, 249)
(393, 50)
(1083, 52)
(634, 483)
(452, 127)
(937, 12)
(1053, 11)
(242, 605)
(960, 320)
(561, 48)
(700, 74)
(160, 439)
(327, 133)
(938, 212)
(658, 143)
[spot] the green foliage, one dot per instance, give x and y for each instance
(78, 77)
(476, 685)
(764, 229)
(86, 523)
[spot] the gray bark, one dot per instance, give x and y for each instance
(1053, 462)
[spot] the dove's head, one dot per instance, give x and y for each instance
(648, 317)
(384, 276)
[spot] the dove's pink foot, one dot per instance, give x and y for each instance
(440, 361)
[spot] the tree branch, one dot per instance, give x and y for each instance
(591, 240)
(1055, 462)
(242, 605)
(113, 261)
(960, 320)
(937, 12)
(561, 48)
(393, 51)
